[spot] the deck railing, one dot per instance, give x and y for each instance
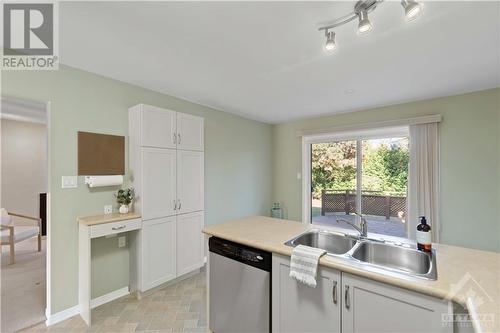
(372, 203)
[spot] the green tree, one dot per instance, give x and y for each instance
(385, 166)
(333, 166)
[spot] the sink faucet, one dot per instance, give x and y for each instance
(363, 226)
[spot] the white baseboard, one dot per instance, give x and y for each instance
(62, 315)
(74, 310)
(109, 297)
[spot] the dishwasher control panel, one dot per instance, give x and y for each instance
(242, 253)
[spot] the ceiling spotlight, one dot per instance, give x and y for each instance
(412, 9)
(330, 40)
(364, 25)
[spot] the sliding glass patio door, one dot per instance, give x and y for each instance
(367, 176)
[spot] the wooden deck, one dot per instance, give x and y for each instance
(376, 224)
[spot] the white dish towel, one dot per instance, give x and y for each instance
(304, 264)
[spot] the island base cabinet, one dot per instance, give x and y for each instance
(299, 308)
(371, 306)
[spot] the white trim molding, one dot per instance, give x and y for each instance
(75, 310)
(435, 118)
(95, 302)
(62, 315)
(358, 134)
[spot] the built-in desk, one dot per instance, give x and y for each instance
(93, 227)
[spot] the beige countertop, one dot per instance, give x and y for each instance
(466, 276)
(106, 218)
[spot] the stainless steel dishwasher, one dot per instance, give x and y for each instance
(239, 288)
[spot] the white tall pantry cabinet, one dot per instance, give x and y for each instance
(167, 167)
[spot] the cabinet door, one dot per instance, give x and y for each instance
(190, 252)
(299, 308)
(190, 181)
(189, 132)
(371, 306)
(159, 182)
(158, 251)
(158, 127)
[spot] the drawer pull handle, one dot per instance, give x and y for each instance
(179, 138)
(347, 304)
(334, 292)
(119, 228)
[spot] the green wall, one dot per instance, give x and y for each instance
(247, 164)
(237, 166)
(470, 161)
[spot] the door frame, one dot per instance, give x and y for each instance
(48, 237)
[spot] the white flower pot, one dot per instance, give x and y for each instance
(123, 209)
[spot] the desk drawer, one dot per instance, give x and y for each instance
(104, 229)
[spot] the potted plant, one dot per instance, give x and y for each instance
(124, 197)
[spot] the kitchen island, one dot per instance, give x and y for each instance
(468, 277)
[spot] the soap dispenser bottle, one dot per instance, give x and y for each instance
(424, 235)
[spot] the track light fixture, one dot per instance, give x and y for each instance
(364, 25)
(330, 40)
(361, 10)
(412, 9)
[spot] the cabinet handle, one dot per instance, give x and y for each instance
(175, 204)
(174, 138)
(347, 304)
(334, 292)
(119, 228)
(179, 138)
(179, 204)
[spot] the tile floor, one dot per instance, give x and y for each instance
(181, 307)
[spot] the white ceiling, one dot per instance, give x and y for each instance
(265, 60)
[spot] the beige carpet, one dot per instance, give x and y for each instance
(23, 287)
(181, 307)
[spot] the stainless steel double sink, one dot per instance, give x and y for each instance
(371, 254)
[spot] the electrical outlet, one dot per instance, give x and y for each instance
(108, 209)
(122, 241)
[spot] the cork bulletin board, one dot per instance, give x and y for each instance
(100, 154)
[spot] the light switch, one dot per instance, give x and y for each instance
(69, 182)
